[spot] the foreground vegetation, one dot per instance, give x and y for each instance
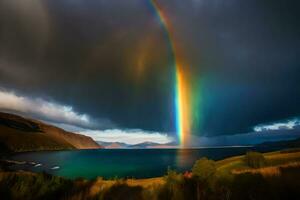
(253, 176)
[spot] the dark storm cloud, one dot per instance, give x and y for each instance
(94, 56)
(52, 112)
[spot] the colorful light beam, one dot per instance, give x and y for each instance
(182, 75)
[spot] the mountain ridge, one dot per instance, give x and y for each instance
(295, 143)
(21, 134)
(142, 145)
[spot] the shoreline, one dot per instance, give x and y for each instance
(24, 162)
(5, 165)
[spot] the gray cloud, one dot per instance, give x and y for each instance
(280, 125)
(128, 136)
(49, 111)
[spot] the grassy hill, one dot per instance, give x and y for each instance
(273, 159)
(19, 134)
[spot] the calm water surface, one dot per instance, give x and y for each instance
(110, 163)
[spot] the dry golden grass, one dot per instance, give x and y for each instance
(145, 182)
(273, 159)
(267, 171)
(100, 185)
(278, 155)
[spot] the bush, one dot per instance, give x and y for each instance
(32, 186)
(173, 186)
(172, 177)
(204, 169)
(255, 159)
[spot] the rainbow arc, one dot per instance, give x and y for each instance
(182, 102)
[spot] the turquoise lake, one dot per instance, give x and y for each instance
(111, 163)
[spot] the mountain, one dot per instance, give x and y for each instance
(113, 145)
(281, 144)
(19, 134)
(153, 145)
(144, 145)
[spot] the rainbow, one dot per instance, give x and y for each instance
(182, 75)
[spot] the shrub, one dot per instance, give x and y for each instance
(173, 187)
(204, 169)
(172, 177)
(255, 159)
(32, 186)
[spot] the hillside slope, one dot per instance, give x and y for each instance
(18, 134)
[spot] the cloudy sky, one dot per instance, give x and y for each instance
(102, 67)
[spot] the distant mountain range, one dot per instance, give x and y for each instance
(153, 145)
(143, 145)
(281, 144)
(19, 134)
(113, 145)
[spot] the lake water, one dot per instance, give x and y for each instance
(110, 163)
